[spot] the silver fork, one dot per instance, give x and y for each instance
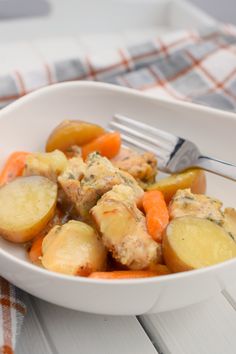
(174, 154)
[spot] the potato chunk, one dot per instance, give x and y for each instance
(72, 132)
(192, 243)
(73, 249)
(26, 206)
(195, 179)
(49, 165)
(123, 229)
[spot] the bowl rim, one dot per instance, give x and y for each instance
(131, 92)
(115, 89)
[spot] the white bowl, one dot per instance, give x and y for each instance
(26, 124)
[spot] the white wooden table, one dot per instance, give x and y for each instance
(205, 328)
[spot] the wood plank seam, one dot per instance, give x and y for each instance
(42, 342)
(43, 326)
(229, 298)
(154, 339)
(92, 334)
(206, 327)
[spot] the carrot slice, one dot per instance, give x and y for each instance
(161, 269)
(36, 249)
(107, 145)
(13, 167)
(157, 216)
(124, 274)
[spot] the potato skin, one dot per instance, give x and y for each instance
(22, 213)
(195, 179)
(74, 249)
(72, 132)
(173, 262)
(191, 243)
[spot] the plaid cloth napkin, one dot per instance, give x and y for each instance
(187, 65)
(12, 312)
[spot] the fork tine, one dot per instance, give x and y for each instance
(161, 156)
(162, 146)
(161, 134)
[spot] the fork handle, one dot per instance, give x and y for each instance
(219, 167)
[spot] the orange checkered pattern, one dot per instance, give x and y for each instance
(187, 65)
(12, 312)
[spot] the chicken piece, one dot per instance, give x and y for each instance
(75, 169)
(123, 229)
(129, 181)
(69, 181)
(186, 203)
(98, 177)
(143, 167)
(229, 223)
(73, 151)
(47, 164)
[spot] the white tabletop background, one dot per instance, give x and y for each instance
(222, 10)
(206, 328)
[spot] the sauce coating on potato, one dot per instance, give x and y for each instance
(27, 205)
